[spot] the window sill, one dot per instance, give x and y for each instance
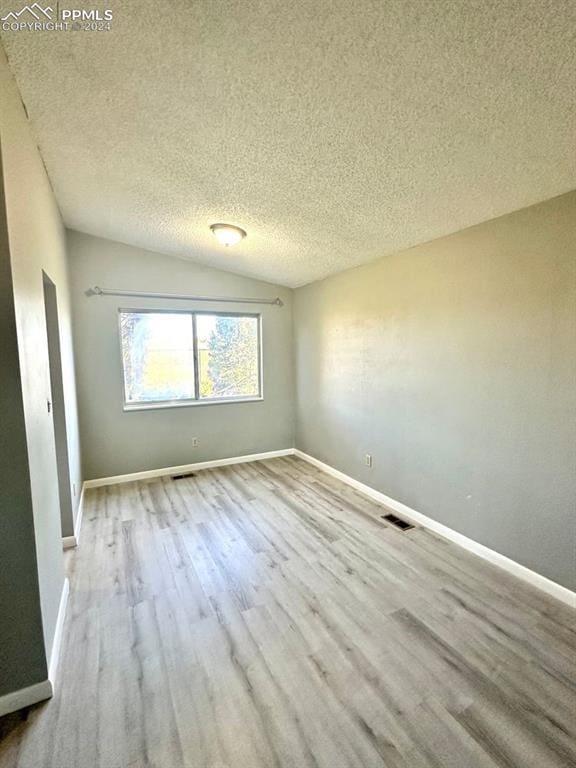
(189, 404)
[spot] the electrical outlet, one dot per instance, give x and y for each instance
(368, 459)
(74, 489)
(195, 442)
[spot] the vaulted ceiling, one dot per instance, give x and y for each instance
(333, 132)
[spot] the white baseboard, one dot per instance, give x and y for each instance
(533, 578)
(183, 468)
(69, 542)
(25, 697)
(58, 633)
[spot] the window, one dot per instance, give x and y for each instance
(185, 358)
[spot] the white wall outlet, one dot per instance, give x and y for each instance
(195, 442)
(368, 459)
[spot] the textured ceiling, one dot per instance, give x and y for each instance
(332, 132)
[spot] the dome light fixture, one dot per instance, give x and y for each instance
(227, 234)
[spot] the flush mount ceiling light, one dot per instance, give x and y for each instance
(227, 234)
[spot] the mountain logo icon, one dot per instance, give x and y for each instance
(36, 10)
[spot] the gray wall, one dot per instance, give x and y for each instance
(22, 657)
(37, 243)
(454, 364)
(116, 442)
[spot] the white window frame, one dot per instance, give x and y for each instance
(147, 405)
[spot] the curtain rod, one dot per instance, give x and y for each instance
(97, 291)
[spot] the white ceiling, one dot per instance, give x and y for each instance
(332, 132)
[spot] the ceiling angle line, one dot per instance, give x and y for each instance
(97, 291)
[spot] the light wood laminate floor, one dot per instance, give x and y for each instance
(264, 615)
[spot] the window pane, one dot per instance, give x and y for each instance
(158, 356)
(228, 356)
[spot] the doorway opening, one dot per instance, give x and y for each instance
(58, 409)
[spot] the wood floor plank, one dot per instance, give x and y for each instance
(264, 615)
